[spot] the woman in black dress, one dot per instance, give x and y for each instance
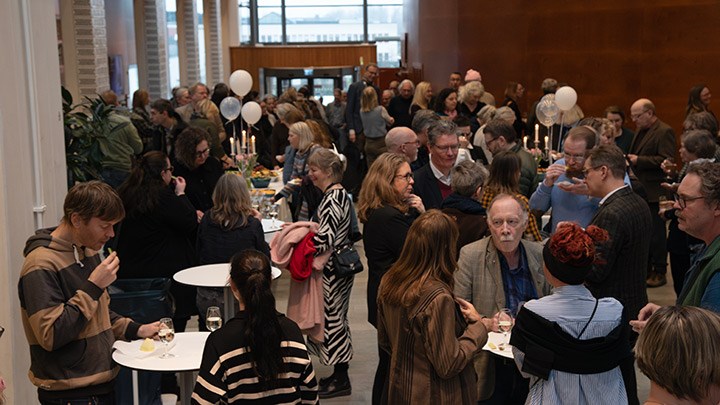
(200, 170)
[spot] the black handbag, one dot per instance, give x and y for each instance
(347, 261)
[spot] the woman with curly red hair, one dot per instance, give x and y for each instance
(571, 344)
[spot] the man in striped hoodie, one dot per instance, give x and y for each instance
(64, 303)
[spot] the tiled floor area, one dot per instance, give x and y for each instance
(362, 367)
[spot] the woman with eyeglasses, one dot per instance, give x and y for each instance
(200, 170)
(156, 238)
(387, 207)
(505, 179)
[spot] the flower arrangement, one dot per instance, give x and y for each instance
(537, 153)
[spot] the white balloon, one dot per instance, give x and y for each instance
(241, 82)
(251, 112)
(547, 110)
(230, 108)
(565, 97)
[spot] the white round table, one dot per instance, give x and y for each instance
(188, 351)
(214, 275)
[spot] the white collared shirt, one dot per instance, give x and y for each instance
(611, 193)
(438, 174)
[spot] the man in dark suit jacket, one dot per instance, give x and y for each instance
(352, 108)
(432, 181)
(621, 271)
(653, 143)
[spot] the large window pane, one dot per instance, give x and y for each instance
(385, 2)
(324, 24)
(245, 27)
(269, 24)
(172, 44)
(322, 3)
(201, 41)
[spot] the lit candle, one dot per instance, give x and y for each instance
(525, 141)
(232, 145)
(537, 132)
(547, 145)
(252, 144)
(243, 145)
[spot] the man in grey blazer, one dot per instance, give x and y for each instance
(501, 271)
(623, 264)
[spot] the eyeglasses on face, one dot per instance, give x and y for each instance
(682, 200)
(587, 170)
(636, 116)
(415, 142)
(577, 158)
(168, 169)
(447, 148)
(202, 152)
(407, 177)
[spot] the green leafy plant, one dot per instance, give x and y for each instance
(86, 128)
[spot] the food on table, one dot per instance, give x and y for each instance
(148, 345)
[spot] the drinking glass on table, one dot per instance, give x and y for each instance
(166, 334)
(274, 213)
(505, 323)
(213, 320)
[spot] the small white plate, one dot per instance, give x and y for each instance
(493, 345)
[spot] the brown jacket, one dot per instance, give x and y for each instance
(431, 356)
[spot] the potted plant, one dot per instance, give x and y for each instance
(86, 126)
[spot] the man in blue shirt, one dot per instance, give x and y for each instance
(559, 192)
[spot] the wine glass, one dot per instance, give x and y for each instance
(273, 213)
(255, 199)
(166, 334)
(213, 320)
(505, 324)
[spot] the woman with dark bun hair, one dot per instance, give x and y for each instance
(570, 344)
(259, 355)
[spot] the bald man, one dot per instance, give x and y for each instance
(403, 140)
(653, 143)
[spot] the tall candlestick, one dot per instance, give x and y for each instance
(252, 144)
(243, 145)
(232, 145)
(537, 132)
(547, 145)
(525, 141)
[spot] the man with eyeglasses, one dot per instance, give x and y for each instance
(404, 141)
(399, 107)
(420, 125)
(653, 143)
(501, 136)
(501, 271)
(621, 271)
(432, 181)
(558, 190)
(698, 210)
(352, 109)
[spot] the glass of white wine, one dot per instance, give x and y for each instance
(505, 324)
(213, 320)
(166, 334)
(273, 213)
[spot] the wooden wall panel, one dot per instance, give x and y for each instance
(611, 52)
(254, 58)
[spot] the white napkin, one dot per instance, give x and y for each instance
(132, 349)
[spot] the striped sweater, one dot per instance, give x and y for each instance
(67, 321)
(227, 369)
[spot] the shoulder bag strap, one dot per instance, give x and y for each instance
(589, 320)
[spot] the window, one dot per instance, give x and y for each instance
(322, 21)
(172, 44)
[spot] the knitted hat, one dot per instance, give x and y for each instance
(473, 76)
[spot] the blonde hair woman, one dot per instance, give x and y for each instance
(422, 97)
(229, 227)
(375, 120)
(302, 140)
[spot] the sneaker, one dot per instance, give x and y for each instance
(336, 388)
(656, 280)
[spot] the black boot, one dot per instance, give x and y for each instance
(323, 382)
(337, 387)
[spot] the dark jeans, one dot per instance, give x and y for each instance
(658, 241)
(114, 177)
(381, 376)
(510, 386)
(107, 399)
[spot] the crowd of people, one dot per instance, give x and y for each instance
(449, 203)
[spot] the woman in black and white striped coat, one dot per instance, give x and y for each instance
(333, 214)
